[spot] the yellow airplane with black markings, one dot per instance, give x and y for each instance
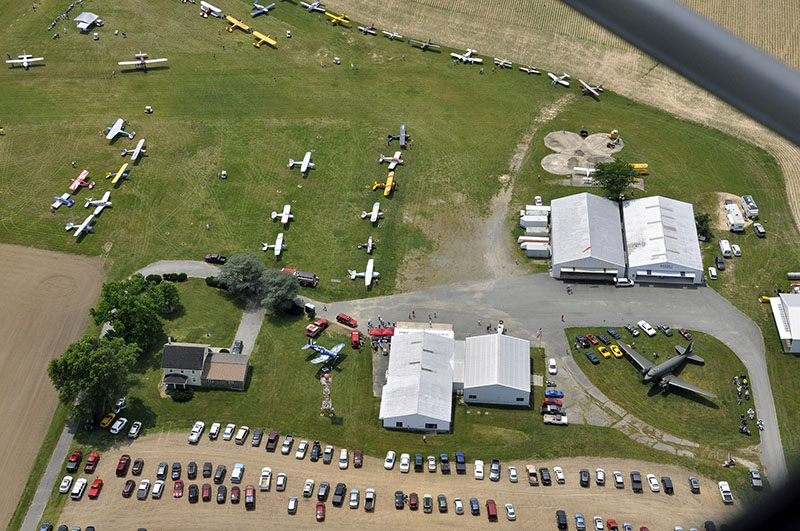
(338, 19)
(234, 23)
(262, 39)
(119, 175)
(388, 186)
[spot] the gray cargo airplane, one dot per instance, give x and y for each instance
(662, 373)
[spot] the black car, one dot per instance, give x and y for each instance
(582, 341)
(561, 519)
(176, 471)
(47, 526)
(272, 441)
(219, 475)
(544, 475)
(636, 481)
(128, 488)
(222, 493)
(667, 482)
(138, 466)
(584, 478)
(194, 493)
(720, 263)
(594, 359)
(90, 422)
(257, 436)
(191, 470)
(604, 338)
(324, 490)
(418, 462)
(315, 451)
(613, 333)
(339, 494)
(444, 462)
(237, 347)
(399, 499)
(208, 469)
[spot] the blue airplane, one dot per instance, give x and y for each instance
(324, 354)
(261, 10)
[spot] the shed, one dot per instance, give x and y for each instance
(497, 370)
(85, 20)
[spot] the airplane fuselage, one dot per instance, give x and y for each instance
(663, 369)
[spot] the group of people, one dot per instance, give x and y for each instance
(743, 387)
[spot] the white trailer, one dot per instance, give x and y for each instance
(533, 239)
(733, 217)
(555, 419)
(536, 249)
(536, 231)
(532, 221)
(749, 206)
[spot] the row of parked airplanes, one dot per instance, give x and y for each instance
(26, 60)
(117, 128)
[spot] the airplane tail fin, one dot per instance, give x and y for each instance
(690, 355)
(352, 274)
(375, 185)
(363, 214)
(70, 226)
(308, 345)
(265, 247)
(274, 215)
(88, 202)
(291, 163)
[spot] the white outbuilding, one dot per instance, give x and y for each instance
(418, 394)
(661, 241)
(497, 370)
(786, 312)
(586, 238)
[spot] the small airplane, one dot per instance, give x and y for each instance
(82, 227)
(100, 204)
(25, 60)
(262, 39)
(117, 176)
(208, 9)
(261, 10)
(503, 63)
(562, 79)
(285, 216)
(661, 374)
(374, 214)
(368, 29)
(368, 275)
(369, 246)
(142, 61)
(118, 129)
(388, 186)
(424, 45)
(338, 19)
(324, 354)
(64, 199)
(393, 161)
(314, 6)
(529, 70)
(304, 164)
(279, 246)
(136, 152)
(467, 56)
(393, 35)
(589, 89)
(235, 23)
(403, 138)
(81, 181)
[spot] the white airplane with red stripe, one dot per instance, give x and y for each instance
(588, 89)
(81, 181)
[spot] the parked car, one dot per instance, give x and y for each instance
(107, 420)
(646, 328)
(399, 499)
(130, 486)
(510, 513)
(358, 459)
(388, 463)
(280, 482)
(208, 469)
(344, 461)
(561, 519)
(238, 346)
(320, 512)
(118, 426)
(605, 352)
(91, 463)
(238, 473)
(143, 490)
(552, 368)
(286, 447)
(653, 482)
(191, 470)
(219, 475)
(712, 273)
(512, 474)
(265, 479)
(413, 501)
(666, 329)
(292, 507)
(418, 462)
(427, 503)
(316, 450)
(544, 474)
(633, 331)
(431, 464)
(613, 333)
(308, 488)
(158, 489)
(215, 259)
(592, 358)
(272, 441)
(241, 435)
(619, 481)
(74, 461)
(354, 498)
(250, 497)
(236, 493)
(611, 525)
(559, 473)
(176, 470)
(222, 493)
(316, 328)
(302, 448)
(347, 320)
(138, 467)
(755, 479)
(339, 494)
(136, 428)
(324, 491)
(257, 436)
(161, 471)
(122, 465)
(554, 393)
(603, 338)
(474, 508)
(65, 485)
(694, 485)
(227, 435)
(205, 492)
(197, 431)
(600, 476)
(369, 500)
(78, 489)
(94, 490)
(494, 470)
(616, 351)
(458, 505)
(478, 469)
(405, 463)
(667, 482)
(725, 492)
(327, 455)
(461, 463)
(758, 228)
(584, 477)
(720, 263)
(685, 334)
(636, 481)
(592, 339)
(580, 522)
(582, 341)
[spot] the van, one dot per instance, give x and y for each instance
(491, 510)
(667, 482)
(725, 248)
(308, 280)
(712, 273)
(238, 472)
(77, 490)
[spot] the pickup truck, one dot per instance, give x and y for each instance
(555, 419)
(636, 481)
(533, 479)
(461, 463)
(444, 463)
(265, 479)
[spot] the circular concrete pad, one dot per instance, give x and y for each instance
(558, 163)
(597, 143)
(563, 141)
(574, 151)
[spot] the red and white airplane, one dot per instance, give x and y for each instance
(285, 216)
(393, 35)
(81, 181)
(588, 89)
(368, 30)
(467, 57)
(393, 161)
(503, 63)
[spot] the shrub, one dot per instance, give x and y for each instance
(215, 282)
(182, 277)
(153, 279)
(182, 395)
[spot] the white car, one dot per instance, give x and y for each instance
(619, 481)
(646, 328)
(737, 251)
(144, 488)
(158, 489)
(227, 435)
(559, 473)
(388, 463)
(651, 479)
(725, 492)
(344, 462)
(405, 463)
(431, 464)
(459, 505)
(300, 453)
(213, 433)
(292, 507)
(66, 483)
(552, 368)
(118, 425)
(478, 469)
(512, 474)
(598, 523)
(280, 482)
(308, 488)
(197, 431)
(241, 435)
(286, 447)
(136, 427)
(510, 512)
(600, 476)
(712, 273)
(354, 494)
(265, 480)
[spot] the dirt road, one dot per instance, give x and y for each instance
(45, 305)
(534, 505)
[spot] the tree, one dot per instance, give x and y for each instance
(281, 290)
(614, 177)
(164, 296)
(243, 274)
(703, 222)
(93, 373)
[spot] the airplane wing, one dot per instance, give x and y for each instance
(117, 127)
(677, 382)
(106, 197)
(417, 42)
(321, 359)
(125, 63)
(455, 55)
(552, 76)
(162, 60)
(338, 348)
(638, 359)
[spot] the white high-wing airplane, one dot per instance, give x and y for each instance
(503, 63)
(118, 129)
(529, 70)
(142, 61)
(424, 45)
(99, 203)
(208, 9)
(393, 161)
(314, 6)
(589, 89)
(82, 227)
(368, 275)
(304, 164)
(369, 245)
(138, 150)
(374, 214)
(25, 60)
(393, 35)
(279, 246)
(368, 30)
(562, 79)
(261, 10)
(467, 56)
(285, 215)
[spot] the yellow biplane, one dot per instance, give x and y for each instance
(338, 19)
(234, 23)
(119, 175)
(641, 169)
(388, 186)
(263, 39)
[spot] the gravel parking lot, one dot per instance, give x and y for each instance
(534, 505)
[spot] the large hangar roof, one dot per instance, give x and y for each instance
(586, 226)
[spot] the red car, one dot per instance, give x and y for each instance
(413, 501)
(347, 320)
(315, 329)
(320, 511)
(94, 490)
(355, 339)
(592, 339)
(235, 493)
(357, 459)
(685, 334)
(177, 489)
(250, 497)
(91, 462)
(122, 466)
(74, 461)
(551, 402)
(206, 492)
(612, 525)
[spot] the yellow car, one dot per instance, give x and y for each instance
(604, 351)
(617, 351)
(107, 420)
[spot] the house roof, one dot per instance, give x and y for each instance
(498, 359)
(586, 226)
(420, 380)
(187, 356)
(226, 366)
